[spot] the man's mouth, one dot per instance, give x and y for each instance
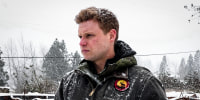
(84, 51)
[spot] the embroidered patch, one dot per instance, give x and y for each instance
(121, 84)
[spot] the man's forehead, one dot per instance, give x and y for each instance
(87, 26)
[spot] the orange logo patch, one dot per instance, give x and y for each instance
(121, 84)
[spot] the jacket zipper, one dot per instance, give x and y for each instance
(94, 89)
(92, 92)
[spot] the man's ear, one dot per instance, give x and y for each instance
(113, 34)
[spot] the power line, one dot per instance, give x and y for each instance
(135, 55)
(39, 57)
(167, 53)
(32, 57)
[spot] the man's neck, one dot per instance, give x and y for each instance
(99, 65)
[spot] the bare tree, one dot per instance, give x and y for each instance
(24, 70)
(195, 12)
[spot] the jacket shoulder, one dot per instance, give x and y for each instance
(139, 71)
(70, 75)
(148, 86)
(67, 85)
(139, 75)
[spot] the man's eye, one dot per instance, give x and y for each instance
(89, 35)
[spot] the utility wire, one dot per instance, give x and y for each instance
(135, 55)
(38, 57)
(33, 57)
(167, 53)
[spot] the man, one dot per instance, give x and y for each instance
(109, 70)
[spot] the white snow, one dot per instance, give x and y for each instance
(173, 94)
(177, 95)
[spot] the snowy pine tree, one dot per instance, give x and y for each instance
(189, 66)
(76, 59)
(164, 72)
(56, 64)
(196, 72)
(197, 63)
(182, 69)
(3, 74)
(191, 75)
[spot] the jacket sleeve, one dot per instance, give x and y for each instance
(59, 92)
(153, 90)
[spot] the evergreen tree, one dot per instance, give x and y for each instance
(194, 79)
(197, 63)
(56, 64)
(76, 59)
(164, 72)
(189, 66)
(195, 82)
(182, 69)
(3, 74)
(190, 77)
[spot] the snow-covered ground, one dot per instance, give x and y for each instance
(177, 95)
(31, 96)
(174, 95)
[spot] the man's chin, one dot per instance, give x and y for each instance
(88, 59)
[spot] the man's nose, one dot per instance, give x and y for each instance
(83, 42)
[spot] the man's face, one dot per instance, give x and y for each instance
(94, 44)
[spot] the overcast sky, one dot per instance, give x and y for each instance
(148, 26)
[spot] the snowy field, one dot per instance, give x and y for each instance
(173, 95)
(28, 96)
(185, 94)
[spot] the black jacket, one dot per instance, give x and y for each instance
(121, 79)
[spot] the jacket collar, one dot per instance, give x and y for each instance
(122, 50)
(124, 57)
(118, 69)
